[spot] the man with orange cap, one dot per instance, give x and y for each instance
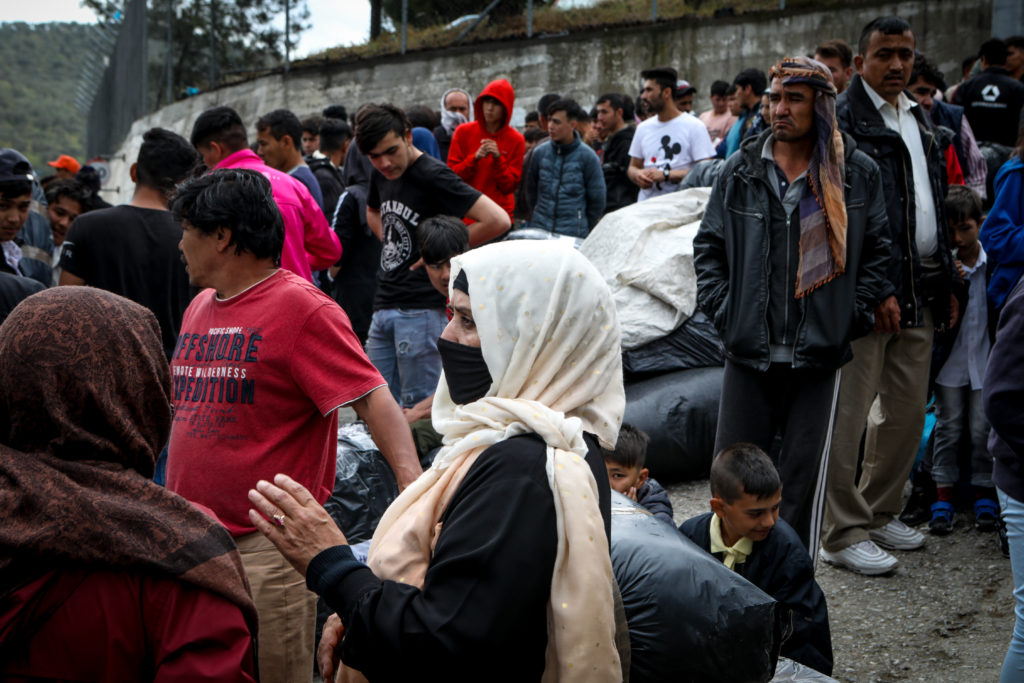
(66, 166)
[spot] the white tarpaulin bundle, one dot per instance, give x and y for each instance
(645, 252)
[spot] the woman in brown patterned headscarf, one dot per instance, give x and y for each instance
(103, 574)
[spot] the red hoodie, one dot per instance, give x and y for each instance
(497, 178)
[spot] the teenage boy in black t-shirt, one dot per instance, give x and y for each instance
(132, 249)
(409, 187)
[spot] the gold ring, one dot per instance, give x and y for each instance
(279, 519)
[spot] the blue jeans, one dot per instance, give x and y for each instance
(950, 405)
(402, 344)
(1013, 515)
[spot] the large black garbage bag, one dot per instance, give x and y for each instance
(364, 485)
(694, 344)
(690, 618)
(679, 411)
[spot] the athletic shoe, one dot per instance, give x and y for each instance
(942, 518)
(897, 536)
(863, 558)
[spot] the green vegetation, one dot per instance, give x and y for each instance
(37, 88)
(547, 20)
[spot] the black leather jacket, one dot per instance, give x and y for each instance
(858, 117)
(732, 260)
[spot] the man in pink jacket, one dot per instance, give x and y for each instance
(309, 243)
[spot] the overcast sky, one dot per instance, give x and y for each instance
(334, 22)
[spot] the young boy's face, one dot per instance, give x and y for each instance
(747, 516)
(622, 478)
(13, 214)
(964, 234)
(440, 274)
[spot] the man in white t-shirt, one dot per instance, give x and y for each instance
(668, 144)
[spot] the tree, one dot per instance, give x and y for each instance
(424, 13)
(244, 38)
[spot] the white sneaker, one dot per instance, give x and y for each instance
(897, 536)
(863, 558)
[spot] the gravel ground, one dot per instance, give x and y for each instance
(945, 615)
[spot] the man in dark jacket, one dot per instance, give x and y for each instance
(565, 185)
(993, 99)
(784, 210)
(611, 114)
(891, 362)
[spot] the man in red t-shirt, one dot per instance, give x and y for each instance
(262, 362)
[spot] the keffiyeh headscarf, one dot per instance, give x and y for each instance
(822, 216)
(450, 120)
(550, 338)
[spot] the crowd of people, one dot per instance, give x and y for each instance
(173, 367)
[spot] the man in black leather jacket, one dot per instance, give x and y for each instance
(798, 204)
(891, 362)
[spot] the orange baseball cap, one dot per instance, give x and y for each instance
(66, 162)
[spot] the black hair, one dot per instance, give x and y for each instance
(719, 89)
(614, 101)
(755, 78)
(581, 115)
(422, 117)
(72, 189)
(12, 189)
(219, 124)
(333, 134)
(664, 76)
(743, 468)
(90, 177)
(962, 203)
(731, 91)
(375, 121)
(534, 134)
(311, 124)
(630, 448)
(1015, 41)
(836, 47)
(887, 26)
(441, 237)
(335, 111)
(239, 200)
(569, 106)
(628, 110)
(281, 122)
(994, 52)
(926, 70)
(165, 159)
(545, 102)
(532, 116)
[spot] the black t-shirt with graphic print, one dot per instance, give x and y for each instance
(427, 188)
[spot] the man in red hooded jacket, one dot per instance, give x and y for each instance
(488, 153)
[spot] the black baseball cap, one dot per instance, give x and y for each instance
(14, 166)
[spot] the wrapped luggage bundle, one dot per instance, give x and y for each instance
(690, 618)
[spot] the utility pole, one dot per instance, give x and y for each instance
(168, 62)
(287, 35)
(213, 44)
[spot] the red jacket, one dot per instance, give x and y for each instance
(496, 178)
(121, 626)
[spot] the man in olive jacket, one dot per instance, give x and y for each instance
(790, 260)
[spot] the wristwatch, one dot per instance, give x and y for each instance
(668, 175)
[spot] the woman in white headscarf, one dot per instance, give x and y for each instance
(494, 564)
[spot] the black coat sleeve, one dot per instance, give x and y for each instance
(484, 597)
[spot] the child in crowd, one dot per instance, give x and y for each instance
(744, 531)
(628, 476)
(440, 238)
(959, 382)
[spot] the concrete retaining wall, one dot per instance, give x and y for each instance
(581, 65)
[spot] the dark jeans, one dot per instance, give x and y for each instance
(799, 403)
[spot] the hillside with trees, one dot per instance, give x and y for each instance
(37, 89)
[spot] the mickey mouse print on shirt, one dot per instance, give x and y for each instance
(669, 145)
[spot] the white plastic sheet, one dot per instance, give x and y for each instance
(645, 252)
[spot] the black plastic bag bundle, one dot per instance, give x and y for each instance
(364, 485)
(679, 411)
(694, 344)
(690, 618)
